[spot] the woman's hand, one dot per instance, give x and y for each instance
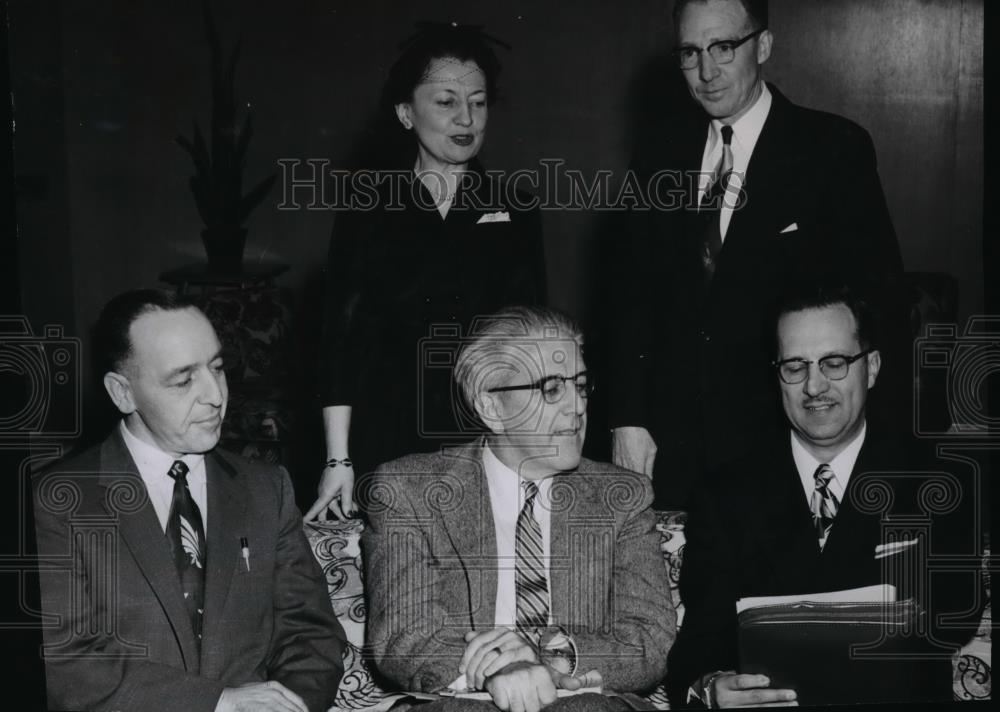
(336, 494)
(336, 485)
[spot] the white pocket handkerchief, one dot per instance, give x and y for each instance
(791, 228)
(502, 216)
(884, 550)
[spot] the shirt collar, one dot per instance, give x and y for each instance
(842, 465)
(746, 130)
(151, 459)
(504, 483)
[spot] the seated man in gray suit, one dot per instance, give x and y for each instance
(176, 576)
(511, 564)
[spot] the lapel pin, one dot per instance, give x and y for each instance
(245, 550)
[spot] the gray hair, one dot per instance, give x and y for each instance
(485, 360)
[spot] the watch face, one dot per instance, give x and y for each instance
(559, 652)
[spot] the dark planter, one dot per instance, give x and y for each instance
(224, 248)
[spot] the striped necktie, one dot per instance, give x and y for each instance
(824, 502)
(530, 582)
(187, 540)
(710, 208)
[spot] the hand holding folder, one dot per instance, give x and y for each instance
(838, 647)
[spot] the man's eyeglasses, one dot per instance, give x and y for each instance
(835, 367)
(553, 388)
(722, 52)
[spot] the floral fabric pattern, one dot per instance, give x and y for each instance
(336, 546)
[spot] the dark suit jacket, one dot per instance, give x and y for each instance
(691, 365)
(430, 562)
(394, 271)
(117, 633)
(751, 534)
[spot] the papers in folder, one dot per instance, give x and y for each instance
(884, 593)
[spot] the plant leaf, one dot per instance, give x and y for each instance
(257, 194)
(197, 149)
(202, 200)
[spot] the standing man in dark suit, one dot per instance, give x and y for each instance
(511, 564)
(175, 575)
(745, 192)
(814, 510)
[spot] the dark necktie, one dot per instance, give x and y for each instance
(710, 208)
(824, 503)
(530, 583)
(187, 540)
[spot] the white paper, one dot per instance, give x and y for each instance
(880, 593)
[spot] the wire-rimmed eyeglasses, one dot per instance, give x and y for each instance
(721, 52)
(553, 388)
(835, 367)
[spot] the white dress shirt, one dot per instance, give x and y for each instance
(154, 464)
(842, 466)
(506, 499)
(746, 131)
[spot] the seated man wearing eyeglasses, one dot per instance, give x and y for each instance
(812, 510)
(512, 565)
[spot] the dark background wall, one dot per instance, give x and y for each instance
(101, 88)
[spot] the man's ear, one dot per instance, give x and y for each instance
(120, 391)
(404, 114)
(874, 365)
(764, 43)
(487, 407)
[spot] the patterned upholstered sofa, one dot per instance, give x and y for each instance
(336, 546)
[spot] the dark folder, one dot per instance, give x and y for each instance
(834, 653)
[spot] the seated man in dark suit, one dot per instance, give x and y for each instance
(513, 565)
(176, 575)
(808, 512)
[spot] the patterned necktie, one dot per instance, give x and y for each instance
(530, 583)
(187, 540)
(824, 502)
(710, 208)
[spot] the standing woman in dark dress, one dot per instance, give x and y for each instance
(434, 244)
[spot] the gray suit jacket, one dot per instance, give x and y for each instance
(430, 559)
(117, 635)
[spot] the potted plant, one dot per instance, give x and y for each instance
(217, 184)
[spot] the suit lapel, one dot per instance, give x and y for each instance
(470, 528)
(560, 558)
(850, 548)
(226, 525)
(790, 547)
(141, 532)
(772, 165)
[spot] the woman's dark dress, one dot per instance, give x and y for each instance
(403, 288)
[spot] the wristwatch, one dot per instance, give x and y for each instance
(557, 650)
(706, 691)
